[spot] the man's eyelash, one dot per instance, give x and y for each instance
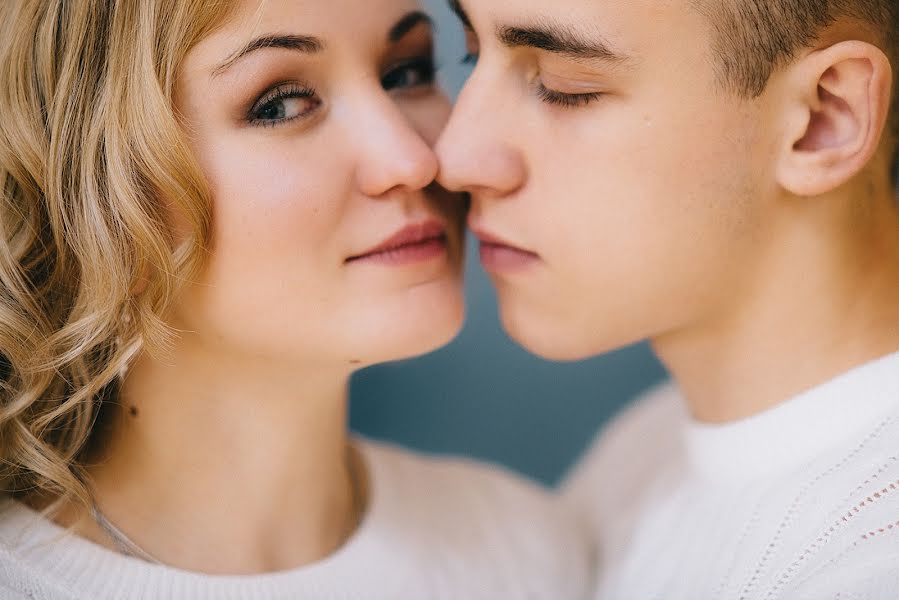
(566, 100)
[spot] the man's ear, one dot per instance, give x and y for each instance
(839, 101)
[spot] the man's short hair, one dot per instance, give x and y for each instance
(753, 38)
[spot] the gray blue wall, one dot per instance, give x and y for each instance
(483, 396)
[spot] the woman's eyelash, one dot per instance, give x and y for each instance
(566, 100)
(415, 72)
(258, 114)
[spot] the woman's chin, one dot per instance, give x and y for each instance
(414, 330)
(430, 335)
(435, 337)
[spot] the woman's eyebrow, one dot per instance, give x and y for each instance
(301, 43)
(407, 24)
(456, 7)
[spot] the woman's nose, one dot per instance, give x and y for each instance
(392, 153)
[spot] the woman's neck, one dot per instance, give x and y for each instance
(228, 466)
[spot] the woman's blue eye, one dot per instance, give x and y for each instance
(282, 105)
(413, 73)
(471, 58)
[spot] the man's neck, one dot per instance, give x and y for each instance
(822, 299)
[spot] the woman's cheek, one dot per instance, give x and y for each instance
(429, 115)
(274, 196)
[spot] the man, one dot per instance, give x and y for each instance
(715, 176)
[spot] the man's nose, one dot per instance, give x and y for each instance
(475, 151)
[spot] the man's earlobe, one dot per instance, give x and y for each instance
(841, 104)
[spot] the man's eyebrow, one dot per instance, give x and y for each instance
(559, 39)
(407, 24)
(301, 43)
(456, 7)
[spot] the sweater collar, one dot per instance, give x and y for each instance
(92, 571)
(832, 415)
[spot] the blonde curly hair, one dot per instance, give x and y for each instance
(93, 163)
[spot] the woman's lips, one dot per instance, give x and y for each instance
(413, 243)
(498, 255)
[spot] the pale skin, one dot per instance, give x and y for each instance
(229, 455)
(755, 242)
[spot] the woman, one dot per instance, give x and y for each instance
(212, 214)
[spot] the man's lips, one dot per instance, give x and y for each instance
(499, 255)
(488, 239)
(416, 241)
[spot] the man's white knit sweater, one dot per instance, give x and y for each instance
(800, 502)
